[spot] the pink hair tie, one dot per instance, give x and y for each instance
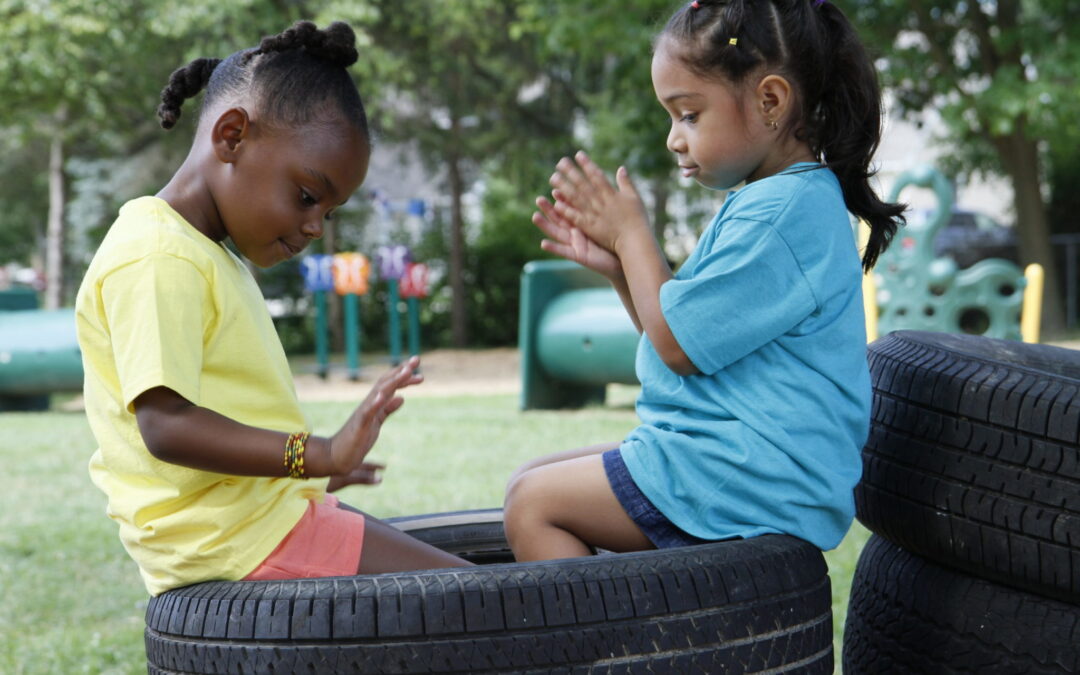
(695, 5)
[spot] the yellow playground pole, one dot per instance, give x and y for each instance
(1031, 311)
(869, 289)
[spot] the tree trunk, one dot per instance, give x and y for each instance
(1020, 157)
(458, 305)
(333, 300)
(661, 193)
(54, 229)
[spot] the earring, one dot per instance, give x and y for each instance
(772, 124)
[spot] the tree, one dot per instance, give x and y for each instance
(62, 61)
(611, 47)
(453, 79)
(1003, 75)
(83, 85)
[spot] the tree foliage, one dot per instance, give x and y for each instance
(1003, 74)
(491, 93)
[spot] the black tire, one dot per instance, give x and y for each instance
(909, 615)
(757, 605)
(477, 536)
(973, 457)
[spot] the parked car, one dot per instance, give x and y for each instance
(971, 236)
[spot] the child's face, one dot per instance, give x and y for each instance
(709, 131)
(285, 184)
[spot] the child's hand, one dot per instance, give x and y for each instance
(351, 444)
(585, 199)
(368, 473)
(571, 243)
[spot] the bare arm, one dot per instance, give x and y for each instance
(180, 432)
(614, 218)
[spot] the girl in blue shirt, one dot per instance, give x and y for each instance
(755, 396)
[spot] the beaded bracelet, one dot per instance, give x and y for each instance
(294, 454)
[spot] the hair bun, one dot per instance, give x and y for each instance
(336, 44)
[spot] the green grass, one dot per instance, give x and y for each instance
(72, 601)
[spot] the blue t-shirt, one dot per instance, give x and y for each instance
(766, 439)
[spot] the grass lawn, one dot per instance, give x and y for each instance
(72, 601)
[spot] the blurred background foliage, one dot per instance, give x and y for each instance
(481, 98)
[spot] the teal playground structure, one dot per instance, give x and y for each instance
(574, 336)
(917, 290)
(39, 354)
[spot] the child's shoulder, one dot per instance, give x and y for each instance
(147, 226)
(801, 190)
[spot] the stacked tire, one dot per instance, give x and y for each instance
(759, 605)
(971, 486)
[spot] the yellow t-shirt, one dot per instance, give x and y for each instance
(163, 305)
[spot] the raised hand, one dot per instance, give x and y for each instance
(571, 243)
(585, 199)
(354, 440)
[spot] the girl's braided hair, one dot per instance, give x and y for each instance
(813, 45)
(296, 77)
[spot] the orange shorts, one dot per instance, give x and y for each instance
(326, 542)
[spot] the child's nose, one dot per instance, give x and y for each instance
(674, 142)
(313, 229)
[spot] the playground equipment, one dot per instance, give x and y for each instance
(39, 354)
(915, 290)
(348, 275)
(574, 336)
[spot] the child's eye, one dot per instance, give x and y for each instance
(306, 199)
(689, 118)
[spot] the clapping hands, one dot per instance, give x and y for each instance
(589, 214)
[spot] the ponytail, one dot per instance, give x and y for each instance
(294, 78)
(847, 129)
(184, 83)
(812, 44)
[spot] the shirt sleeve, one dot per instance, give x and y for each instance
(157, 310)
(745, 291)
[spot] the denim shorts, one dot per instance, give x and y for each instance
(655, 525)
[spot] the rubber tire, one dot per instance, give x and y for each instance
(973, 457)
(909, 615)
(741, 606)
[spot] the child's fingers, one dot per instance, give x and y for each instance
(554, 232)
(622, 178)
(548, 209)
(558, 248)
(568, 213)
(572, 172)
(596, 177)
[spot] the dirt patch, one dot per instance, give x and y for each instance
(446, 372)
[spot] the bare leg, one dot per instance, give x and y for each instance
(388, 549)
(559, 457)
(561, 509)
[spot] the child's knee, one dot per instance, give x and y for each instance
(523, 501)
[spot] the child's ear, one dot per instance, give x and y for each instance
(230, 129)
(774, 95)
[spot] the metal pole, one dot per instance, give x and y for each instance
(321, 348)
(395, 323)
(1070, 284)
(352, 336)
(414, 326)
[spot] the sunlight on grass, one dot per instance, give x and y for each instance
(73, 601)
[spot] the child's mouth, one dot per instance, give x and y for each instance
(290, 250)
